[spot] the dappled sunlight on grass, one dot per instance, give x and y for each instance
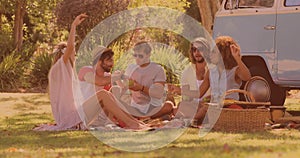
(26, 121)
(35, 100)
(24, 107)
(18, 140)
(8, 99)
(138, 141)
(12, 104)
(292, 104)
(271, 154)
(240, 144)
(222, 136)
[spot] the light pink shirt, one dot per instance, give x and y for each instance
(146, 76)
(61, 97)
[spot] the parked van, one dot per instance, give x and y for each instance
(268, 32)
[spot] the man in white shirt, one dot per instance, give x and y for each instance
(192, 77)
(146, 84)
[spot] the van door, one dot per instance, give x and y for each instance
(288, 40)
(250, 23)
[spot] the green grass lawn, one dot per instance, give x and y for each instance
(21, 112)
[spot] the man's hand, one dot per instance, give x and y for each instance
(174, 89)
(135, 86)
(116, 91)
(116, 76)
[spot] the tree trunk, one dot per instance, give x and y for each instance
(18, 23)
(208, 10)
(0, 20)
(206, 17)
(215, 5)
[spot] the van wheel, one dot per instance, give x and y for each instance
(278, 94)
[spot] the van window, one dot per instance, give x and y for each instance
(290, 3)
(249, 3)
(228, 6)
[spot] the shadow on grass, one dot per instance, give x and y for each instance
(35, 100)
(29, 103)
(24, 107)
(17, 132)
(8, 99)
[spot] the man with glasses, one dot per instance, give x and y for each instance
(146, 84)
(191, 79)
(193, 75)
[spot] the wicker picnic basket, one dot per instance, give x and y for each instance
(249, 119)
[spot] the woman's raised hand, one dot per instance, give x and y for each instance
(78, 20)
(235, 51)
(70, 51)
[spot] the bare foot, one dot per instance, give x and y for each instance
(140, 127)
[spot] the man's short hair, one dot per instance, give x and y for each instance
(143, 46)
(103, 54)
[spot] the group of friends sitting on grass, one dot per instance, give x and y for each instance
(96, 96)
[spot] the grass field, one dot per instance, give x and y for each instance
(21, 112)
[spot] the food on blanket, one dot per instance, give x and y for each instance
(206, 99)
(229, 101)
(130, 83)
(155, 123)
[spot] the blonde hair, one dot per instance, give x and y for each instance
(58, 51)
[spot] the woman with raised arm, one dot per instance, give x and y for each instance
(61, 83)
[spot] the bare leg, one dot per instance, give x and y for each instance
(202, 109)
(167, 109)
(186, 110)
(109, 104)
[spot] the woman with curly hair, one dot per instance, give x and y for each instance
(234, 68)
(231, 69)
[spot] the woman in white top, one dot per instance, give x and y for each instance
(231, 69)
(236, 71)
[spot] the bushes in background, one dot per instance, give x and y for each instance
(12, 70)
(25, 70)
(41, 65)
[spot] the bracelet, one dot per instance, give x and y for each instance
(143, 88)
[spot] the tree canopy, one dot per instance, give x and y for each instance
(97, 10)
(29, 28)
